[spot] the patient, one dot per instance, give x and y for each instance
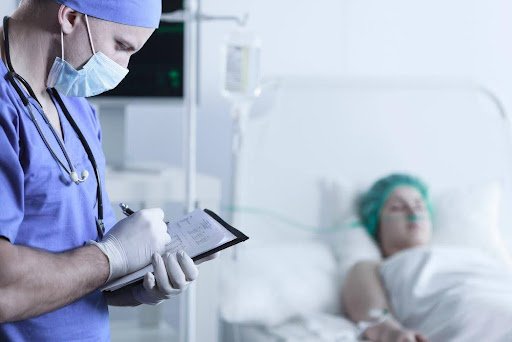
(430, 292)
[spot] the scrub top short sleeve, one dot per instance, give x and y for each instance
(11, 175)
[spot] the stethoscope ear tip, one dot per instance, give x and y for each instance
(74, 176)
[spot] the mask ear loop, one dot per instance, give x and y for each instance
(89, 32)
(62, 43)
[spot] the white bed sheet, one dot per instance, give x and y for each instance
(450, 294)
(317, 327)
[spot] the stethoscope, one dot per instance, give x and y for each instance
(12, 76)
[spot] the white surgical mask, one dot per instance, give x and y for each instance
(98, 75)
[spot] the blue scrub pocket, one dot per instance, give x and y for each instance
(47, 185)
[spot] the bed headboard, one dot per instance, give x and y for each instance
(449, 133)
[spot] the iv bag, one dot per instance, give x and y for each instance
(241, 66)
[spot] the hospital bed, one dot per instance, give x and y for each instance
(309, 148)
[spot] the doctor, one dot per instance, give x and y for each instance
(59, 241)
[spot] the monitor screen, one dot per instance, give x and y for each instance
(157, 69)
(171, 5)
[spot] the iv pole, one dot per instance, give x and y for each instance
(192, 16)
(191, 39)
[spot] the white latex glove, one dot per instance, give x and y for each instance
(130, 244)
(173, 273)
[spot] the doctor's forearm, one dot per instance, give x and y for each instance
(34, 282)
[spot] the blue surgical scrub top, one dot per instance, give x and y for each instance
(41, 208)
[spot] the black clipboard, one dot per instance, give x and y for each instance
(240, 237)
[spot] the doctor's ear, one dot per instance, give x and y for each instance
(69, 19)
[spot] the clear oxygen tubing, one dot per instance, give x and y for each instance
(267, 213)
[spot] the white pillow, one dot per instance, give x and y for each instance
(338, 198)
(269, 284)
(351, 245)
(350, 241)
(469, 216)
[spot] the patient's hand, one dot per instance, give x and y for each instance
(391, 331)
(404, 336)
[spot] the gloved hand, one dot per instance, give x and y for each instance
(173, 273)
(130, 244)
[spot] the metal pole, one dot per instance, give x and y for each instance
(240, 115)
(188, 302)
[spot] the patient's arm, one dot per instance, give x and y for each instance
(364, 292)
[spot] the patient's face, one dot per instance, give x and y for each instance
(404, 221)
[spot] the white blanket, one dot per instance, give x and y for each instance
(316, 327)
(450, 294)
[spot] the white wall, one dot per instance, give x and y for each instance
(467, 39)
(6, 7)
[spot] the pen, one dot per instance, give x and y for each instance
(128, 211)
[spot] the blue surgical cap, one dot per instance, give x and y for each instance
(142, 13)
(372, 202)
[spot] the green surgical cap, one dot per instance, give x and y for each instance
(372, 202)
